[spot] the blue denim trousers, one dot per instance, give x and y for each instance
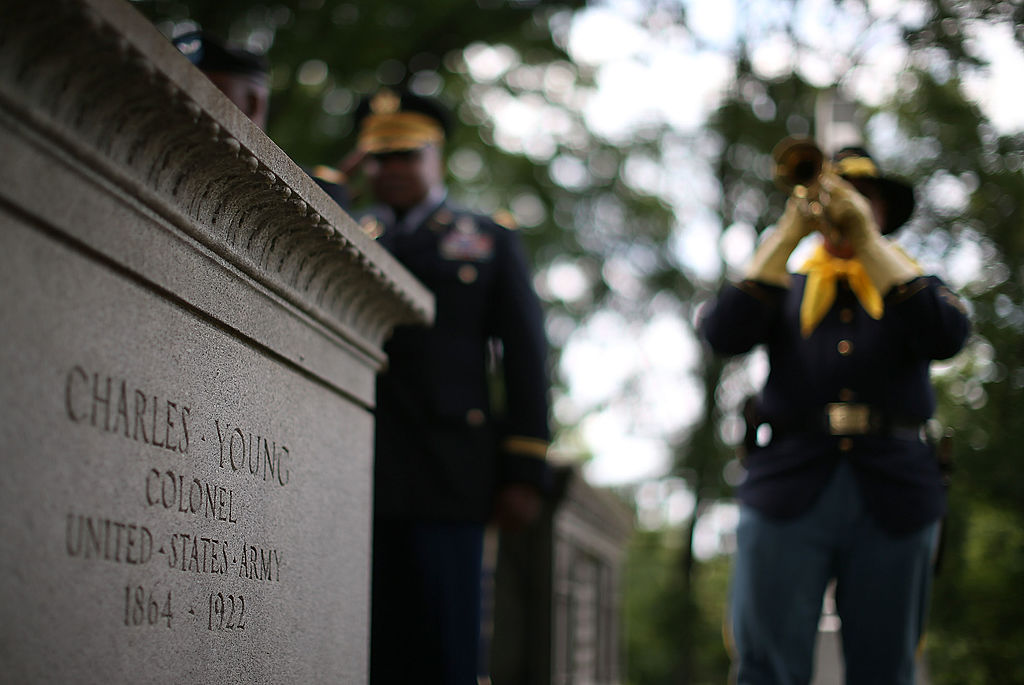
(779, 577)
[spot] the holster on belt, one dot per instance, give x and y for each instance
(752, 420)
(944, 455)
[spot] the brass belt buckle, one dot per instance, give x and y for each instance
(848, 419)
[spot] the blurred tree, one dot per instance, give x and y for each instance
(973, 182)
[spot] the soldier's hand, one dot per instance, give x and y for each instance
(351, 162)
(517, 506)
(796, 221)
(848, 211)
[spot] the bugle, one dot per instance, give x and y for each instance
(798, 165)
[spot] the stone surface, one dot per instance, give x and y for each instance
(191, 332)
(558, 589)
(591, 532)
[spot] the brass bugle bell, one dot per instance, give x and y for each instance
(798, 163)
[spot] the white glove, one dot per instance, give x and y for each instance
(852, 220)
(768, 265)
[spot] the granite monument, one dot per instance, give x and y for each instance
(191, 330)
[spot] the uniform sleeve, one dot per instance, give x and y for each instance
(338, 193)
(331, 182)
(517, 322)
(742, 316)
(932, 317)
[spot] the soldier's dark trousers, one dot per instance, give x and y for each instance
(425, 613)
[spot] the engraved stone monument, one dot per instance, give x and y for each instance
(191, 330)
(558, 590)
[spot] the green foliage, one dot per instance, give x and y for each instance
(976, 625)
(657, 605)
(326, 53)
(976, 616)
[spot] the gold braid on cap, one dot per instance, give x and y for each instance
(856, 167)
(389, 132)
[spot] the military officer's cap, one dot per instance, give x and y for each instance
(396, 121)
(210, 54)
(856, 165)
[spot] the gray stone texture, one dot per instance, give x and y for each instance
(191, 330)
(558, 590)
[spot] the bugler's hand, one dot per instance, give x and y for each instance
(796, 221)
(852, 215)
(768, 264)
(849, 212)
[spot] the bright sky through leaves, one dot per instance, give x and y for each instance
(650, 71)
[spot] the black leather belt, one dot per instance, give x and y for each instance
(849, 419)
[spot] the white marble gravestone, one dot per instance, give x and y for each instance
(190, 333)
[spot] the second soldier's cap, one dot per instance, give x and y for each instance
(390, 121)
(210, 54)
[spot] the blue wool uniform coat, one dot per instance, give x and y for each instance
(442, 449)
(849, 357)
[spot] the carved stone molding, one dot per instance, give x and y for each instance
(106, 86)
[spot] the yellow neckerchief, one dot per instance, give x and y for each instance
(823, 271)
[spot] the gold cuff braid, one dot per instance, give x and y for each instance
(532, 447)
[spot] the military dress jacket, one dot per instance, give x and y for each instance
(848, 358)
(442, 448)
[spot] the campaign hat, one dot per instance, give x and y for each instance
(856, 165)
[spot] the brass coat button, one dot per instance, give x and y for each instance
(845, 444)
(846, 315)
(467, 273)
(845, 347)
(475, 417)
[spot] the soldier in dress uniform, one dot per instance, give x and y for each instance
(244, 77)
(847, 486)
(446, 461)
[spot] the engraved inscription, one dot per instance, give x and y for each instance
(89, 537)
(227, 612)
(141, 607)
(197, 554)
(245, 453)
(242, 456)
(112, 405)
(149, 607)
(101, 538)
(258, 563)
(193, 496)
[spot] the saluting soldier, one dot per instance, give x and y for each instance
(846, 487)
(446, 460)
